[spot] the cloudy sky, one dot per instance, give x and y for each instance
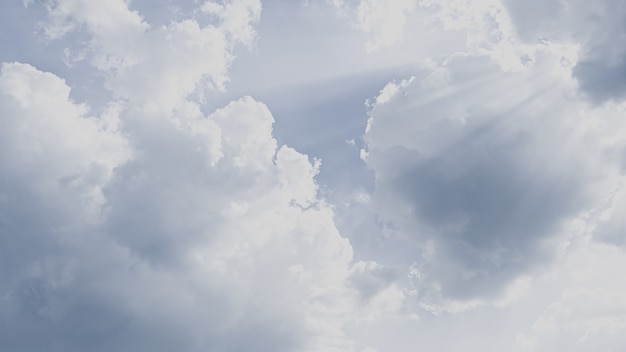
(312, 175)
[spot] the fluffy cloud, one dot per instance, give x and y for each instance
(144, 220)
(486, 161)
(201, 236)
(44, 130)
(189, 55)
(505, 186)
(587, 312)
(482, 171)
(383, 20)
(153, 226)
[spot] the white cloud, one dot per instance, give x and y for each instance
(490, 30)
(474, 162)
(116, 27)
(156, 222)
(237, 18)
(194, 242)
(158, 66)
(51, 144)
(588, 312)
(486, 162)
(611, 221)
(383, 20)
(159, 227)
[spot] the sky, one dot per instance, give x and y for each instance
(312, 175)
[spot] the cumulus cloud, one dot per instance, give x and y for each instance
(384, 23)
(383, 20)
(194, 234)
(485, 160)
(483, 172)
(153, 226)
(44, 130)
(174, 60)
(587, 313)
(490, 29)
(149, 220)
(504, 184)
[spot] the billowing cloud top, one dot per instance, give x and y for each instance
(148, 202)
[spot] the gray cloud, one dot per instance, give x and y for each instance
(476, 177)
(155, 227)
(174, 247)
(598, 27)
(601, 81)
